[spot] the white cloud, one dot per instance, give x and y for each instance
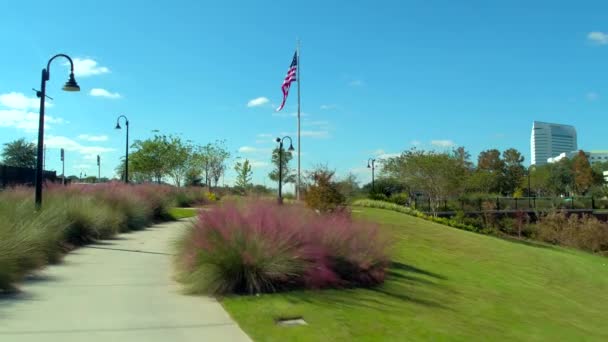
(592, 96)
(388, 155)
(315, 134)
(99, 92)
(442, 143)
(379, 152)
(258, 101)
(88, 137)
(264, 135)
(251, 149)
(317, 123)
(415, 143)
(356, 83)
(88, 67)
(599, 38)
(258, 164)
(328, 106)
(27, 121)
(71, 145)
(14, 100)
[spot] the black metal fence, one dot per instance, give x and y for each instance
(12, 176)
(509, 203)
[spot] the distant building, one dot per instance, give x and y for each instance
(550, 140)
(606, 176)
(592, 156)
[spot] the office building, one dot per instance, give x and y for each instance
(592, 156)
(550, 140)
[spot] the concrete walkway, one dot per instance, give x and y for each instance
(118, 290)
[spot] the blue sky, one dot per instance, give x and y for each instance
(377, 77)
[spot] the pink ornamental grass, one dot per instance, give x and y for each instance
(258, 246)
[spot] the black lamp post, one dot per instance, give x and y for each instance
(62, 167)
(70, 85)
(290, 149)
(126, 148)
(371, 164)
(98, 168)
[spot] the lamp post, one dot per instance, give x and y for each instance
(371, 164)
(98, 168)
(290, 149)
(62, 167)
(126, 148)
(70, 85)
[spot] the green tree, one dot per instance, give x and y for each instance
(438, 175)
(349, 186)
(514, 170)
(582, 172)
(287, 173)
(323, 194)
(19, 153)
(491, 169)
(210, 159)
(243, 176)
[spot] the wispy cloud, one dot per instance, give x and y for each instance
(258, 101)
(264, 135)
(356, 83)
(592, 96)
(598, 38)
(442, 143)
(100, 92)
(256, 164)
(84, 67)
(378, 152)
(315, 134)
(71, 145)
(328, 106)
(27, 121)
(251, 149)
(415, 143)
(14, 100)
(88, 137)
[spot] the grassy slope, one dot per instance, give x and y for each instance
(180, 213)
(447, 284)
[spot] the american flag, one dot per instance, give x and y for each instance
(291, 77)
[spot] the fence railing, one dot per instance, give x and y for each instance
(509, 203)
(12, 176)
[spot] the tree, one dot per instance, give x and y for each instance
(149, 158)
(19, 153)
(210, 159)
(438, 175)
(243, 175)
(582, 172)
(514, 171)
(323, 194)
(349, 186)
(463, 156)
(490, 169)
(287, 173)
(177, 158)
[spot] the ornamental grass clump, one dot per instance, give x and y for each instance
(256, 247)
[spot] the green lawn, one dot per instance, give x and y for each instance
(180, 213)
(447, 284)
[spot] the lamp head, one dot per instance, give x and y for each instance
(290, 149)
(71, 84)
(368, 166)
(278, 140)
(117, 125)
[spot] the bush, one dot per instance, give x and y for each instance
(376, 196)
(323, 195)
(255, 247)
(401, 198)
(584, 232)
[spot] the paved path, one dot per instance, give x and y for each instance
(118, 290)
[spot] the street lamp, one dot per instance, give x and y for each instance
(98, 168)
(126, 148)
(371, 164)
(70, 85)
(62, 167)
(290, 149)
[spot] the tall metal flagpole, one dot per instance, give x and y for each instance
(298, 78)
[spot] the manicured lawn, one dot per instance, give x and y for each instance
(447, 284)
(180, 213)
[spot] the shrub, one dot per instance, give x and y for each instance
(254, 247)
(323, 195)
(401, 198)
(376, 196)
(584, 232)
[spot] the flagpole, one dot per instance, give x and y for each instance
(298, 78)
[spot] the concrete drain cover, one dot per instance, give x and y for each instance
(291, 321)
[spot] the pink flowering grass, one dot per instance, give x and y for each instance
(258, 246)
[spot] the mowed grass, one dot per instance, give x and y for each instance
(447, 284)
(180, 213)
